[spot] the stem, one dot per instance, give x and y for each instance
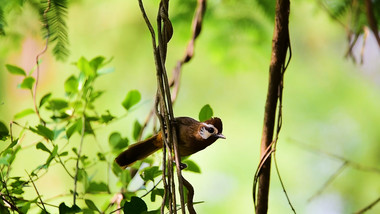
(79, 151)
(34, 94)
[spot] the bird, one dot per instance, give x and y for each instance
(193, 136)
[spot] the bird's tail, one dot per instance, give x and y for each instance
(139, 151)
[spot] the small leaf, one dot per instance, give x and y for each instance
(15, 70)
(132, 98)
(191, 166)
(11, 145)
(136, 129)
(90, 204)
(85, 67)
(52, 156)
(155, 192)
(150, 173)
(27, 83)
(117, 142)
(97, 62)
(64, 209)
(23, 113)
(135, 206)
(43, 131)
(205, 113)
(44, 99)
(57, 104)
(64, 154)
(97, 187)
(101, 156)
(75, 127)
(71, 85)
(42, 147)
(4, 133)
(106, 118)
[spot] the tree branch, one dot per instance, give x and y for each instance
(280, 45)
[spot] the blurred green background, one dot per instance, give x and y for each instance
(330, 103)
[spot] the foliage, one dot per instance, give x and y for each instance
(53, 14)
(75, 114)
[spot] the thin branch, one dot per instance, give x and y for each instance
(329, 181)
(38, 194)
(80, 148)
(190, 196)
(154, 187)
(365, 209)
(338, 157)
(46, 26)
(372, 20)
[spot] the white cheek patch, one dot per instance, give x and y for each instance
(204, 133)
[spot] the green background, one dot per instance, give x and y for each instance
(329, 103)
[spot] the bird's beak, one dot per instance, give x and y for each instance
(220, 135)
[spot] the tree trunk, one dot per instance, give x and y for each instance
(280, 44)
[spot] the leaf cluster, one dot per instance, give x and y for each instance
(74, 118)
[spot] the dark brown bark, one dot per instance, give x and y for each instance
(280, 44)
(372, 20)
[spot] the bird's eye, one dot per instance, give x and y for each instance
(210, 129)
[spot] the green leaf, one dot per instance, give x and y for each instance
(97, 187)
(11, 145)
(205, 113)
(4, 133)
(4, 161)
(150, 173)
(64, 209)
(43, 131)
(44, 99)
(57, 104)
(106, 118)
(64, 154)
(42, 147)
(27, 83)
(83, 177)
(116, 169)
(117, 142)
(132, 98)
(23, 113)
(71, 85)
(90, 204)
(52, 156)
(85, 67)
(15, 70)
(191, 166)
(135, 206)
(75, 127)
(97, 62)
(136, 129)
(101, 156)
(155, 192)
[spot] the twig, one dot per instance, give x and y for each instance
(190, 196)
(335, 156)
(329, 181)
(154, 187)
(372, 20)
(80, 148)
(365, 209)
(46, 26)
(38, 194)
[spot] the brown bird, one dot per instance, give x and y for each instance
(193, 136)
